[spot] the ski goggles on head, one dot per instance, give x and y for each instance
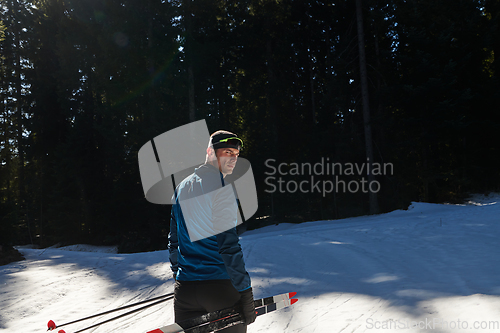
(232, 142)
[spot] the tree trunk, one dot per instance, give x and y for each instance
(189, 59)
(151, 69)
(311, 86)
(192, 113)
(20, 116)
(366, 105)
(271, 95)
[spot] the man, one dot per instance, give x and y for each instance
(205, 254)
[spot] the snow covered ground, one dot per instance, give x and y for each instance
(431, 268)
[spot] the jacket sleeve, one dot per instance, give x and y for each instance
(225, 212)
(230, 250)
(173, 243)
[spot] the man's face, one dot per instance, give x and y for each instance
(226, 158)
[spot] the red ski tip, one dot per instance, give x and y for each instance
(293, 300)
(291, 295)
(61, 331)
(51, 325)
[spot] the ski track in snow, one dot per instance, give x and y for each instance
(430, 268)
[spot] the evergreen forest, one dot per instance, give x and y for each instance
(84, 84)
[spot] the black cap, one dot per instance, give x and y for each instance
(226, 140)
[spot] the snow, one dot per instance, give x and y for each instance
(431, 268)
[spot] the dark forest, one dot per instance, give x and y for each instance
(411, 85)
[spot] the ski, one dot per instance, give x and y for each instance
(223, 322)
(227, 317)
(230, 311)
(274, 299)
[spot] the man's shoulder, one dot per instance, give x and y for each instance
(181, 185)
(209, 176)
(206, 169)
(204, 179)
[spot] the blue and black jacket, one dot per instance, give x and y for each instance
(212, 258)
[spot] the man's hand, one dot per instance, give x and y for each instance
(247, 306)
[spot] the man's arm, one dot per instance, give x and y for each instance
(230, 250)
(231, 253)
(224, 214)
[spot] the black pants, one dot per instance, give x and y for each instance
(196, 298)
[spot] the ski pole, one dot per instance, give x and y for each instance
(51, 325)
(123, 315)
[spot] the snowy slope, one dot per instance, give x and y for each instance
(431, 268)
